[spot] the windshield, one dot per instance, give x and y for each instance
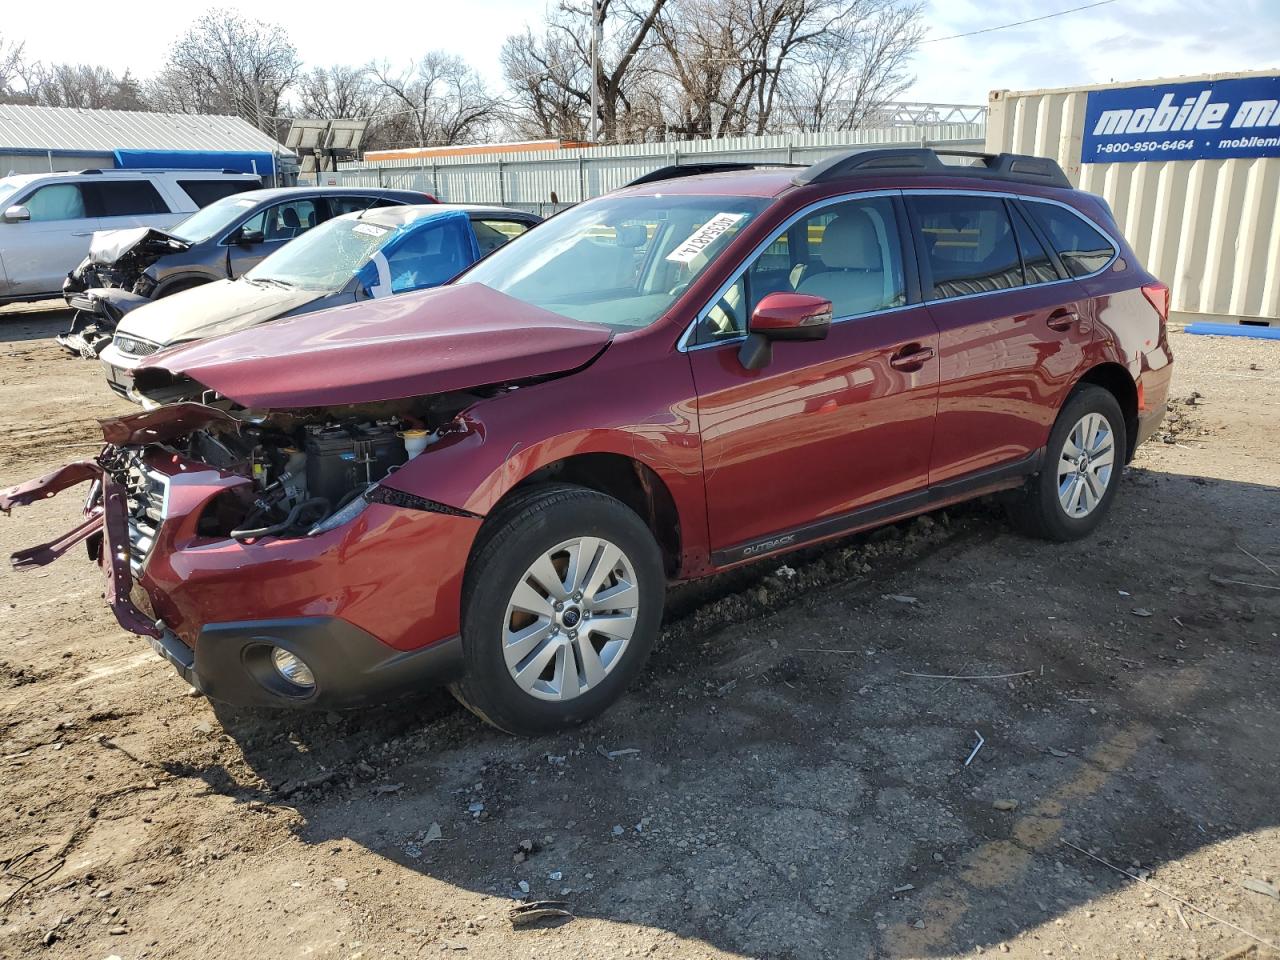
(617, 261)
(9, 186)
(213, 219)
(325, 257)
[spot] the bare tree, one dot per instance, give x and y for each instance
(11, 68)
(439, 100)
(551, 85)
(338, 92)
(227, 63)
(551, 73)
(864, 62)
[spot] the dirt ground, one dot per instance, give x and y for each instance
(781, 784)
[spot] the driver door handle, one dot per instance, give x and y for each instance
(911, 357)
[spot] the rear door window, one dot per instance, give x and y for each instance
(205, 192)
(57, 201)
(429, 256)
(1082, 249)
(968, 244)
(124, 198)
(341, 205)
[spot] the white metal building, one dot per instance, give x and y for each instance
(45, 139)
(1190, 167)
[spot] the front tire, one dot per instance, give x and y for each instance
(561, 605)
(1080, 476)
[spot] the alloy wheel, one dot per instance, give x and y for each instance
(1085, 465)
(570, 618)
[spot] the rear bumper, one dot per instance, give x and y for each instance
(1153, 401)
(231, 662)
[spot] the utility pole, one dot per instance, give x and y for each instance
(596, 38)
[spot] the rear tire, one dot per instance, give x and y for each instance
(1080, 476)
(561, 604)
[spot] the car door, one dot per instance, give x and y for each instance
(830, 433)
(40, 251)
(1012, 331)
(266, 231)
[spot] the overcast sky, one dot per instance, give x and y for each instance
(1124, 40)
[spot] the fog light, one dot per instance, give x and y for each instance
(292, 668)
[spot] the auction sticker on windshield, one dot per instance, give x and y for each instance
(369, 229)
(703, 237)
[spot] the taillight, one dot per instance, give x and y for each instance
(430, 198)
(1159, 296)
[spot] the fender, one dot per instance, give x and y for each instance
(486, 452)
(166, 285)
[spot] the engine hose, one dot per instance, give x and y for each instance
(284, 524)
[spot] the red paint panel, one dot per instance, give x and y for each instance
(827, 427)
(1004, 370)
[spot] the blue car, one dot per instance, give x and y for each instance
(379, 252)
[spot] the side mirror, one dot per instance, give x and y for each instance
(17, 213)
(784, 316)
(247, 238)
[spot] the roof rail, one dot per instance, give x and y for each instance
(922, 161)
(679, 170)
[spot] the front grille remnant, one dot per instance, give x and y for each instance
(145, 490)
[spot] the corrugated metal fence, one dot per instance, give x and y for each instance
(531, 180)
(1208, 228)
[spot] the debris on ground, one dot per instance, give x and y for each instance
(528, 914)
(1005, 805)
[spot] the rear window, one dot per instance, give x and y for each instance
(205, 192)
(1082, 249)
(124, 198)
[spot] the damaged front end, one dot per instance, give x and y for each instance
(231, 539)
(110, 282)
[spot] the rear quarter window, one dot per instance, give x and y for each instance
(1081, 247)
(124, 198)
(205, 192)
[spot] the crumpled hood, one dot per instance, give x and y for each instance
(108, 246)
(415, 344)
(212, 309)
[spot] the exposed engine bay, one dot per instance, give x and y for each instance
(308, 471)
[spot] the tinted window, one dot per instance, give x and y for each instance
(125, 198)
(491, 234)
(57, 201)
(205, 192)
(1037, 265)
(968, 242)
(1083, 249)
(848, 253)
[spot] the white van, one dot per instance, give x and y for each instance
(48, 218)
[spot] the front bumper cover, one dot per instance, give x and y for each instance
(232, 663)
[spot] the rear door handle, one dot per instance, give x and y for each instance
(1062, 319)
(911, 357)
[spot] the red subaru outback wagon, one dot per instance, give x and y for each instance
(491, 484)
